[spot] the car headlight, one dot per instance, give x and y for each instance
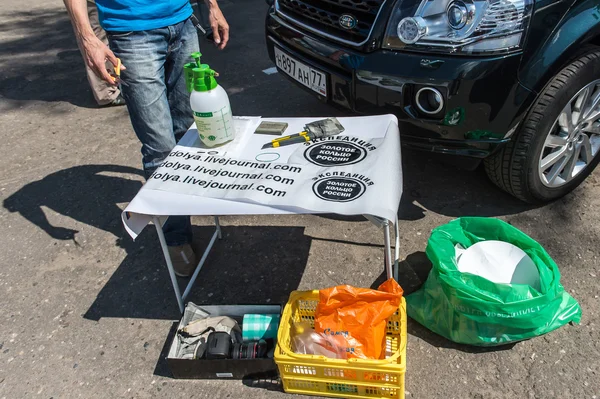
(461, 26)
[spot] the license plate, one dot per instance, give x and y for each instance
(309, 77)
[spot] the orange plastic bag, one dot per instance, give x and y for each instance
(357, 317)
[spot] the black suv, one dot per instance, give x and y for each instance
(513, 82)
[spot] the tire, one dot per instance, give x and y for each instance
(516, 167)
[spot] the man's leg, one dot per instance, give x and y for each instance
(145, 54)
(184, 42)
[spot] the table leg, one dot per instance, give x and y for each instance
(218, 227)
(201, 263)
(397, 251)
(165, 249)
(387, 249)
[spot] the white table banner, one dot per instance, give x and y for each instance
(356, 172)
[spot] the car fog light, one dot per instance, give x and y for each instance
(429, 100)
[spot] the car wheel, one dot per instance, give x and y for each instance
(558, 144)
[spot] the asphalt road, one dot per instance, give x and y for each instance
(85, 312)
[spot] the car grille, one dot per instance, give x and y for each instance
(324, 15)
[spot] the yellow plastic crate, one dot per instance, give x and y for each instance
(352, 378)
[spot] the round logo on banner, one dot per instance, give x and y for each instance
(339, 189)
(335, 153)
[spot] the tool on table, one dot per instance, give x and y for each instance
(117, 76)
(274, 128)
(313, 130)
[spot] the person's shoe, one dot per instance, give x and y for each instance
(184, 260)
(116, 102)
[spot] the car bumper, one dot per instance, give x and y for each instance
(483, 101)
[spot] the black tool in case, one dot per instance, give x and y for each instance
(218, 346)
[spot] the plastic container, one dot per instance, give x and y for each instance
(352, 378)
(209, 103)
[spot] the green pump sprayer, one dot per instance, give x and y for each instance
(209, 103)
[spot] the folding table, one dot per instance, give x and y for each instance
(357, 172)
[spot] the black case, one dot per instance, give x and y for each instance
(224, 368)
(218, 346)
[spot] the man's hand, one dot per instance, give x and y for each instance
(218, 24)
(96, 54)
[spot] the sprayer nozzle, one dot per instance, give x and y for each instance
(196, 56)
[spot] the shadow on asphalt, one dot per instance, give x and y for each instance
(43, 63)
(87, 193)
(250, 265)
(417, 330)
(412, 272)
(269, 384)
(162, 367)
(432, 184)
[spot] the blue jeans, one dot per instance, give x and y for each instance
(157, 99)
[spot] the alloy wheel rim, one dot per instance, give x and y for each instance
(574, 139)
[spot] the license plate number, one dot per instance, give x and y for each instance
(309, 77)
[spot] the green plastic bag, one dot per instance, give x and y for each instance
(470, 309)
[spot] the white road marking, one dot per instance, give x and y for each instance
(270, 71)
